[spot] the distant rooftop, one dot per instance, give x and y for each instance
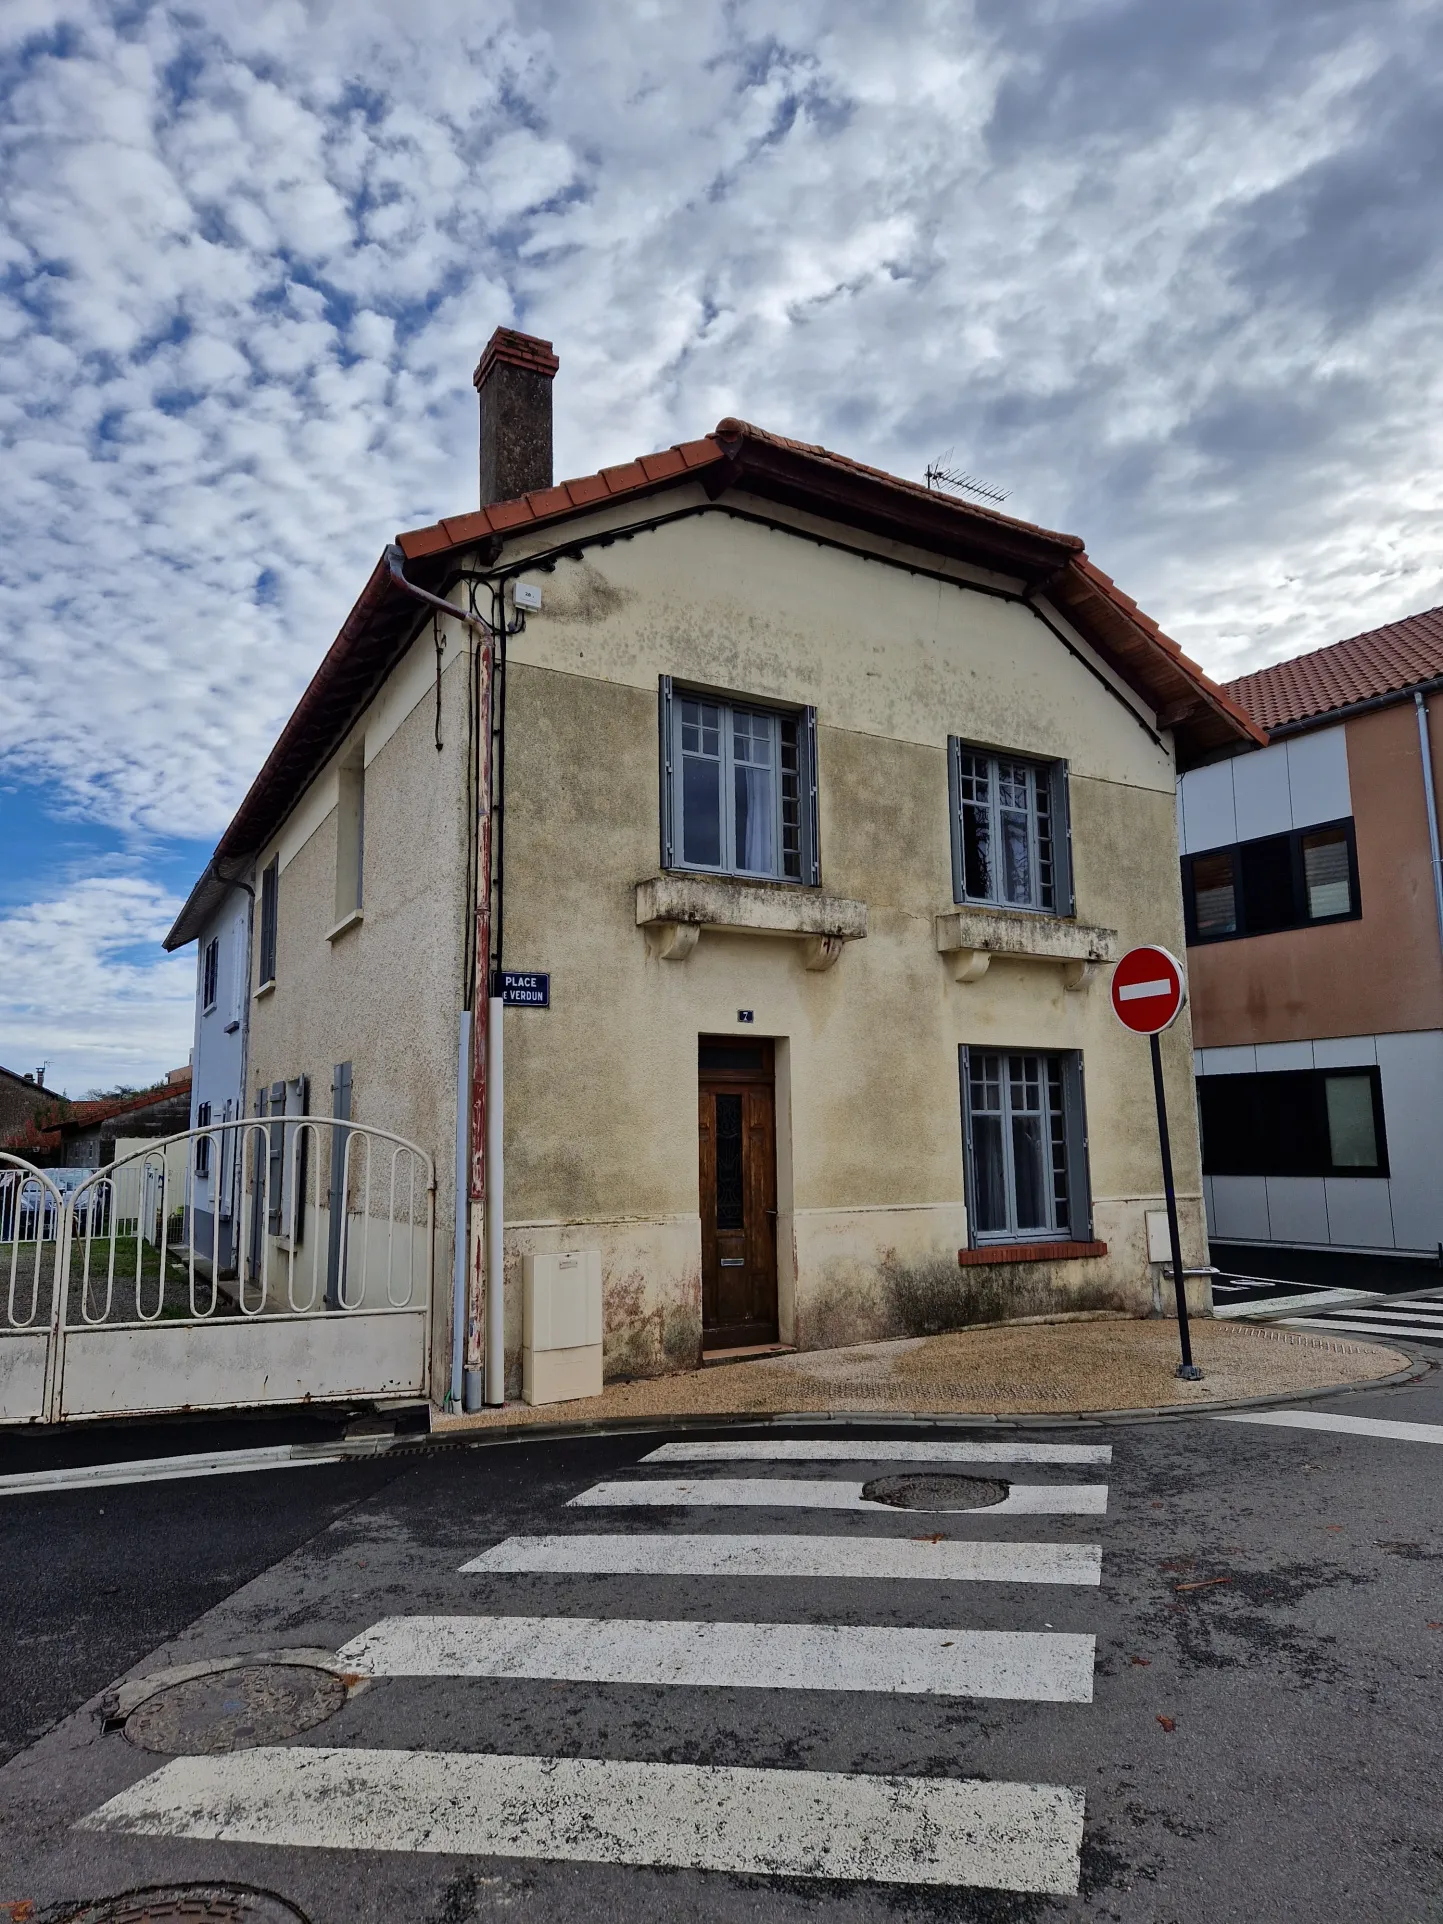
(1381, 662)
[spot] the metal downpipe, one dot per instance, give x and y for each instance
(495, 1209)
(1430, 797)
(461, 1254)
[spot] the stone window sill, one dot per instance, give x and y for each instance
(266, 988)
(1027, 1253)
(972, 938)
(350, 921)
(674, 909)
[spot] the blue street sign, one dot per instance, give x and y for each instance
(525, 990)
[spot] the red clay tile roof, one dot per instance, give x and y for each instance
(1381, 662)
(46, 1129)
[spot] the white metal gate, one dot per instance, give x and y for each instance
(265, 1260)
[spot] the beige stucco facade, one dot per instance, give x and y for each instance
(601, 1108)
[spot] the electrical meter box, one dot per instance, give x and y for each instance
(561, 1326)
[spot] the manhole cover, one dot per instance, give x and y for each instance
(235, 1709)
(189, 1904)
(940, 1492)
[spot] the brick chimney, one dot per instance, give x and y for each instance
(513, 384)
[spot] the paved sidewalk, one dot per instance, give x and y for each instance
(1056, 1368)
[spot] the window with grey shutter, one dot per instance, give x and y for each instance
(1024, 1130)
(1010, 829)
(341, 1112)
(738, 788)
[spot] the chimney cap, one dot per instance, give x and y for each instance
(516, 350)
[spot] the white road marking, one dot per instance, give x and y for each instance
(1269, 1306)
(835, 1450)
(1345, 1425)
(1026, 1666)
(771, 1823)
(817, 1493)
(155, 1469)
(1358, 1327)
(872, 1559)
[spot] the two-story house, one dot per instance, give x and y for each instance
(1314, 900)
(821, 799)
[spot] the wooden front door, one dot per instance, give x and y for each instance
(738, 1133)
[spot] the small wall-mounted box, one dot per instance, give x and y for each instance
(527, 596)
(561, 1326)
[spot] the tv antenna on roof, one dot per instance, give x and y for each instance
(941, 476)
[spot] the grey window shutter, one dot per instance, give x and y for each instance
(668, 787)
(341, 1110)
(1064, 902)
(1079, 1183)
(276, 1159)
(969, 1180)
(813, 854)
(954, 817)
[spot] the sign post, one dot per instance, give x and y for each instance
(1148, 994)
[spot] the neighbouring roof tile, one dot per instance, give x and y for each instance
(1380, 662)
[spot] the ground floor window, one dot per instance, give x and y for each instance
(1293, 1122)
(1025, 1136)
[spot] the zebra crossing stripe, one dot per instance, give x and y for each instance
(1357, 1327)
(1024, 1666)
(834, 1450)
(770, 1823)
(871, 1559)
(1379, 1426)
(816, 1493)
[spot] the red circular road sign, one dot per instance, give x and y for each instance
(1148, 990)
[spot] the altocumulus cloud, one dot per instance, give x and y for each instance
(1172, 271)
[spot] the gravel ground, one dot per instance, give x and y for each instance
(1038, 1369)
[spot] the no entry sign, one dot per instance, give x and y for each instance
(1148, 990)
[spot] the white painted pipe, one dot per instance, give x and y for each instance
(495, 1209)
(463, 1174)
(1431, 802)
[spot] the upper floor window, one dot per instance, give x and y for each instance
(1026, 1147)
(1010, 838)
(210, 974)
(1276, 882)
(350, 835)
(739, 788)
(270, 890)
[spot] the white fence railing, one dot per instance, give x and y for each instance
(259, 1223)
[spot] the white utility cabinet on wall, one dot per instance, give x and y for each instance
(561, 1326)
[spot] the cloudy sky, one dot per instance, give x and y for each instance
(1167, 269)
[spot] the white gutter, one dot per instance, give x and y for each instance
(462, 1247)
(1430, 797)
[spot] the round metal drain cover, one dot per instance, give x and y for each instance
(189, 1904)
(235, 1709)
(940, 1492)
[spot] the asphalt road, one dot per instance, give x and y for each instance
(1261, 1740)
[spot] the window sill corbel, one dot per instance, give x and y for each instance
(348, 921)
(972, 938)
(674, 909)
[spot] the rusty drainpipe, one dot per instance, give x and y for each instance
(467, 1344)
(1430, 798)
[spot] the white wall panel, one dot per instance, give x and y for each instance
(1240, 1061)
(1317, 776)
(1412, 1069)
(1344, 1051)
(1297, 1209)
(1360, 1212)
(1284, 1055)
(1209, 816)
(1261, 799)
(1240, 1209)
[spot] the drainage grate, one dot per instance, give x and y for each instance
(188, 1904)
(235, 1709)
(940, 1492)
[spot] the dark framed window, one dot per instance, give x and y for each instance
(270, 890)
(210, 974)
(738, 788)
(1293, 1122)
(1011, 843)
(1024, 1128)
(202, 1143)
(1276, 882)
